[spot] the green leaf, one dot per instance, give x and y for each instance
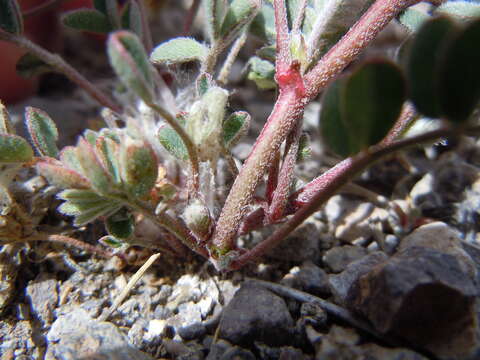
(463, 10)
(107, 151)
(459, 76)
(371, 102)
(267, 53)
(120, 225)
(132, 18)
(422, 67)
(413, 18)
(68, 157)
(100, 5)
(204, 82)
(358, 111)
(87, 20)
(172, 142)
(304, 149)
(239, 14)
(14, 149)
(29, 65)
(139, 168)
(333, 128)
(234, 127)
(11, 19)
(178, 50)
(80, 196)
(111, 241)
(43, 131)
(59, 176)
(92, 168)
(6, 126)
(214, 12)
(130, 62)
(263, 25)
(85, 212)
(262, 72)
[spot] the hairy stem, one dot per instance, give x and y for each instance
(147, 35)
(191, 149)
(232, 55)
(352, 43)
(331, 181)
(59, 64)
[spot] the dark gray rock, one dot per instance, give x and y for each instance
(194, 331)
(256, 314)
(76, 336)
(376, 352)
(309, 278)
(338, 258)
(303, 244)
(422, 296)
(217, 349)
(340, 284)
(43, 297)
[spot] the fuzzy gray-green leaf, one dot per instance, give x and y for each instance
(87, 20)
(464, 10)
(178, 50)
(14, 148)
(11, 19)
(262, 72)
(60, 176)
(6, 126)
(139, 168)
(129, 60)
(234, 127)
(172, 142)
(413, 18)
(239, 14)
(107, 151)
(43, 131)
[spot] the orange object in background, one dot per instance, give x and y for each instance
(44, 30)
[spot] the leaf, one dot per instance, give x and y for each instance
(267, 53)
(263, 25)
(100, 5)
(371, 102)
(92, 168)
(214, 12)
(459, 76)
(413, 18)
(422, 64)
(304, 148)
(139, 168)
(130, 62)
(178, 50)
(333, 129)
(132, 18)
(6, 126)
(91, 136)
(85, 212)
(463, 10)
(80, 196)
(11, 19)
(234, 127)
(107, 151)
(239, 14)
(43, 131)
(262, 72)
(59, 176)
(29, 65)
(110, 241)
(87, 20)
(68, 157)
(204, 82)
(359, 110)
(172, 142)
(120, 225)
(14, 149)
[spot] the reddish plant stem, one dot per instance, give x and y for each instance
(192, 12)
(294, 96)
(352, 43)
(60, 65)
(47, 5)
(331, 181)
(272, 179)
(403, 122)
(147, 35)
(280, 196)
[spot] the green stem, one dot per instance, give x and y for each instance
(59, 64)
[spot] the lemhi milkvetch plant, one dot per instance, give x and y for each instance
(124, 173)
